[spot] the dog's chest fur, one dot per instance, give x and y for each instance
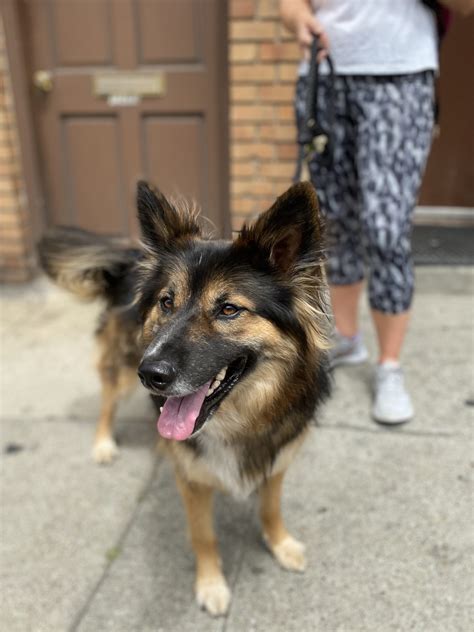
(223, 462)
(220, 464)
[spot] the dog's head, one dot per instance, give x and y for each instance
(216, 312)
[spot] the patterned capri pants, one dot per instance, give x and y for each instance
(381, 137)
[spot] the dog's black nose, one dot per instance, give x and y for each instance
(156, 375)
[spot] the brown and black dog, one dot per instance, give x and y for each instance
(229, 337)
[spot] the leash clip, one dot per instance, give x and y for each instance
(320, 142)
(317, 145)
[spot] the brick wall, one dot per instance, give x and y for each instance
(13, 223)
(263, 62)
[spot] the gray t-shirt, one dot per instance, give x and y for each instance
(378, 37)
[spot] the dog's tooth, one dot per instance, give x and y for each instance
(221, 375)
(161, 409)
(215, 384)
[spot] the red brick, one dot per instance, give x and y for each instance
(287, 151)
(243, 205)
(237, 222)
(12, 233)
(285, 113)
(243, 94)
(248, 30)
(288, 72)
(276, 94)
(269, 9)
(251, 112)
(8, 168)
(252, 150)
(242, 169)
(13, 272)
(243, 132)
(285, 51)
(252, 73)
(7, 153)
(242, 8)
(277, 132)
(242, 52)
(277, 170)
(16, 248)
(9, 217)
(251, 187)
(284, 34)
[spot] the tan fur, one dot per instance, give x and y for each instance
(210, 587)
(316, 321)
(79, 270)
(117, 379)
(274, 530)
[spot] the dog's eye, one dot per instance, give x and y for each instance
(166, 303)
(228, 310)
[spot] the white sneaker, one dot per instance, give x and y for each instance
(347, 350)
(392, 403)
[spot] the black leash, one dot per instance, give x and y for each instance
(312, 137)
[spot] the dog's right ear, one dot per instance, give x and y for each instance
(160, 221)
(290, 233)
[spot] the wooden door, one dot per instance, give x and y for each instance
(449, 177)
(94, 146)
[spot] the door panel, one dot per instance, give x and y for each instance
(94, 148)
(171, 144)
(159, 42)
(95, 201)
(70, 21)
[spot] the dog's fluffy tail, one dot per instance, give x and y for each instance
(84, 263)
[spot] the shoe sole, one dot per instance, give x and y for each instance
(391, 422)
(350, 359)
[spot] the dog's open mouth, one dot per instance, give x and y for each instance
(183, 416)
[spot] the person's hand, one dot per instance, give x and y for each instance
(306, 27)
(298, 17)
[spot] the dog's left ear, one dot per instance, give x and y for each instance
(160, 221)
(290, 231)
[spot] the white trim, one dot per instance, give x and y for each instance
(447, 215)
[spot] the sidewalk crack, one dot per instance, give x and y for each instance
(118, 545)
(390, 431)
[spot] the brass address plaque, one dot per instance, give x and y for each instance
(129, 84)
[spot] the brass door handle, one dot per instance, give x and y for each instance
(43, 80)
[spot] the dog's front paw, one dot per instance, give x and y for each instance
(290, 554)
(213, 595)
(105, 451)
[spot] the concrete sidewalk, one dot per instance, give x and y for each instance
(386, 514)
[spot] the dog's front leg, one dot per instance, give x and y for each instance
(105, 449)
(211, 587)
(288, 551)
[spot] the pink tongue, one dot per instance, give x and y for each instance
(179, 414)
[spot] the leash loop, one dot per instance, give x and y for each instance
(312, 137)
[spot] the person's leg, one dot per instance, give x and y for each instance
(395, 135)
(391, 330)
(345, 306)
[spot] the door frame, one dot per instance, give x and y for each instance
(35, 204)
